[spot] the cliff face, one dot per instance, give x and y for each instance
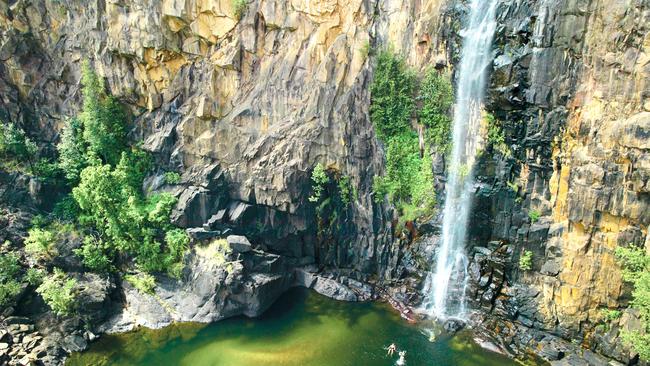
(245, 108)
(571, 81)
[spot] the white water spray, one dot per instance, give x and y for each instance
(442, 300)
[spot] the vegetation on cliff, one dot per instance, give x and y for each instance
(331, 194)
(408, 182)
(105, 215)
(17, 151)
(636, 270)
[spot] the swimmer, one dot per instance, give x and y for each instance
(402, 358)
(391, 349)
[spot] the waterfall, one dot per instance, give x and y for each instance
(442, 299)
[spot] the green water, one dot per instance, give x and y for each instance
(301, 329)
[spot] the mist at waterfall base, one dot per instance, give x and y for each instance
(302, 328)
(446, 284)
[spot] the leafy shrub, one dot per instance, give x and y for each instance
(8, 292)
(9, 284)
(636, 270)
(34, 276)
(41, 244)
(9, 266)
(391, 96)
(143, 282)
(17, 151)
(239, 8)
(58, 291)
(177, 242)
(95, 254)
(526, 261)
(319, 179)
(495, 136)
(610, 314)
(159, 207)
(437, 97)
(346, 190)
(534, 216)
(172, 178)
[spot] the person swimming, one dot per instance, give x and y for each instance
(402, 358)
(391, 349)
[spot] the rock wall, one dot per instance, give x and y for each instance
(570, 82)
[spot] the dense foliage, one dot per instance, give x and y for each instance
(119, 220)
(58, 291)
(143, 282)
(331, 193)
(103, 120)
(408, 182)
(17, 151)
(437, 98)
(172, 178)
(106, 215)
(392, 102)
(636, 270)
(10, 285)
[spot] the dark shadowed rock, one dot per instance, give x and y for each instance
(453, 325)
(239, 244)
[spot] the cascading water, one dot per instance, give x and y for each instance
(451, 260)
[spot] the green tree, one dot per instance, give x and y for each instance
(172, 178)
(103, 119)
(408, 181)
(72, 150)
(391, 96)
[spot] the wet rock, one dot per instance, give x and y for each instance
(453, 325)
(74, 343)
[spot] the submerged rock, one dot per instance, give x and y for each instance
(453, 325)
